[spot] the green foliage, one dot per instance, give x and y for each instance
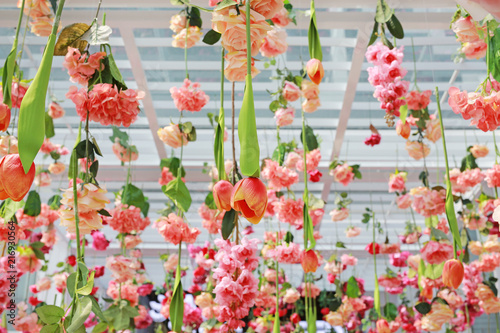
(50, 314)
(211, 37)
(33, 205)
(120, 135)
(173, 164)
(193, 14)
(494, 54)
(423, 308)
(352, 289)
(9, 207)
(177, 306)
(177, 191)
(209, 201)
(228, 223)
(247, 133)
(82, 311)
(133, 196)
(390, 311)
(315, 51)
(49, 126)
(311, 140)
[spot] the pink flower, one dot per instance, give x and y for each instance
(343, 174)
(435, 252)
(193, 36)
(82, 68)
(274, 43)
(172, 136)
(267, 8)
(122, 268)
(284, 117)
(433, 130)
(399, 259)
(311, 105)
(291, 296)
(43, 179)
(99, 243)
(397, 182)
(417, 100)
(174, 229)
(373, 140)
(55, 110)
(470, 177)
(281, 18)
(352, 232)
(479, 151)
(286, 254)
(291, 92)
(314, 175)
(316, 215)
(428, 202)
(189, 97)
(388, 248)
(339, 214)
(131, 241)
(290, 211)
(312, 160)
(236, 66)
(475, 50)
(310, 90)
(310, 289)
(177, 23)
(127, 219)
(57, 168)
(127, 291)
(278, 176)
(171, 263)
(8, 145)
(417, 150)
(493, 176)
(465, 29)
(125, 155)
(143, 320)
(348, 260)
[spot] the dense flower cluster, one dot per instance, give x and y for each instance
(467, 30)
(175, 230)
(126, 219)
(236, 287)
(40, 15)
(189, 97)
(82, 67)
(387, 78)
(278, 176)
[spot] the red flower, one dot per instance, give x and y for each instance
(249, 196)
(314, 175)
(14, 183)
(99, 271)
(309, 261)
(71, 260)
(373, 140)
(295, 318)
(257, 312)
(453, 273)
(369, 248)
(34, 301)
(222, 194)
(325, 311)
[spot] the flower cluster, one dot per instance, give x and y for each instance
(279, 176)
(82, 67)
(40, 14)
(467, 30)
(185, 37)
(236, 287)
(126, 219)
(189, 97)
(387, 78)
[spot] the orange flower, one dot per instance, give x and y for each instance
(309, 261)
(383, 326)
(403, 129)
(315, 70)
(14, 183)
(4, 117)
(249, 196)
(453, 273)
(222, 194)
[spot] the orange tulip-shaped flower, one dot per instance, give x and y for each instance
(222, 194)
(14, 183)
(383, 326)
(249, 197)
(309, 261)
(403, 129)
(453, 273)
(4, 117)
(315, 70)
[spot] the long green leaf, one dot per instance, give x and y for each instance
(177, 191)
(228, 223)
(82, 311)
(493, 56)
(315, 51)
(219, 146)
(450, 207)
(177, 304)
(247, 133)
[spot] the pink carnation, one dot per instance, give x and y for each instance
(125, 219)
(290, 211)
(189, 97)
(286, 253)
(175, 230)
(82, 68)
(435, 252)
(417, 100)
(343, 174)
(274, 43)
(278, 176)
(427, 202)
(493, 176)
(284, 117)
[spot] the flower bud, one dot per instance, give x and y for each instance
(249, 196)
(14, 183)
(4, 117)
(309, 261)
(383, 326)
(453, 273)
(222, 194)
(403, 129)
(315, 70)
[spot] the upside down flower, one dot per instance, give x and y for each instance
(193, 36)
(82, 67)
(125, 155)
(189, 97)
(126, 219)
(91, 199)
(172, 136)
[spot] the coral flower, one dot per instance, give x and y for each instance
(309, 261)
(4, 117)
(249, 197)
(315, 70)
(14, 183)
(222, 194)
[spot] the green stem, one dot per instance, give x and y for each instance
(414, 65)
(186, 48)
(376, 292)
(498, 322)
(278, 138)
(488, 53)
(306, 190)
(195, 6)
(276, 315)
(249, 41)
(87, 146)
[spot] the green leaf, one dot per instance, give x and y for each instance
(279, 154)
(390, 311)
(311, 140)
(468, 162)
(340, 244)
(82, 311)
(132, 196)
(383, 12)
(50, 314)
(70, 284)
(115, 71)
(177, 305)
(309, 241)
(173, 164)
(211, 37)
(315, 51)
(274, 105)
(209, 201)
(177, 191)
(49, 126)
(228, 223)
(195, 18)
(423, 308)
(99, 328)
(32, 111)
(87, 289)
(374, 36)
(55, 202)
(8, 71)
(288, 237)
(121, 135)
(9, 208)
(39, 254)
(352, 290)
(403, 112)
(33, 205)
(494, 54)
(247, 133)
(225, 3)
(96, 309)
(395, 27)
(219, 146)
(53, 328)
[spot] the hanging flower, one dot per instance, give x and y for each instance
(175, 230)
(274, 43)
(189, 97)
(284, 117)
(417, 150)
(342, 174)
(125, 155)
(172, 136)
(81, 68)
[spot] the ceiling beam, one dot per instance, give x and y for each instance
(140, 77)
